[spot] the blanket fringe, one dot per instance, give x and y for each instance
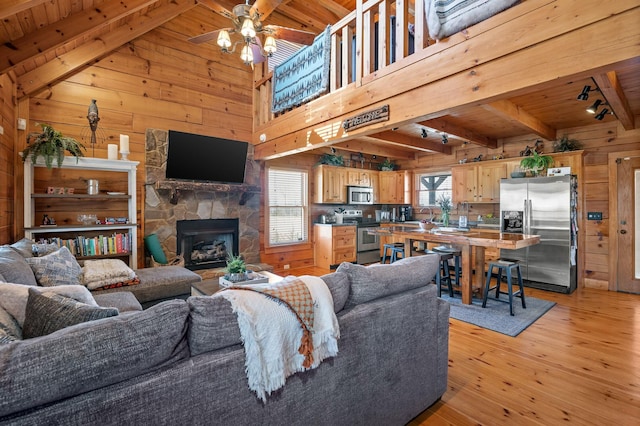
(306, 348)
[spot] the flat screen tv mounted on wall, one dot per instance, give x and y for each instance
(205, 158)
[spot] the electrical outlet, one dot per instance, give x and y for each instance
(594, 216)
(286, 266)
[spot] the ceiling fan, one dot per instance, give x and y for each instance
(247, 22)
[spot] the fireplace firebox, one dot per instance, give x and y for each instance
(206, 243)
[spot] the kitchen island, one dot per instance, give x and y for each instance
(466, 241)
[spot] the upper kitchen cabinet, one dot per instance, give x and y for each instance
(395, 187)
(331, 184)
(475, 183)
(359, 177)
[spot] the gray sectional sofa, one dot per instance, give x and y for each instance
(182, 362)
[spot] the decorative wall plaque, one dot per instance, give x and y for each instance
(369, 117)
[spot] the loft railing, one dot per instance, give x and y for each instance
(377, 38)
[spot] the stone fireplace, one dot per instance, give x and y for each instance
(206, 243)
(168, 203)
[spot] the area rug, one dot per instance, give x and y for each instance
(496, 315)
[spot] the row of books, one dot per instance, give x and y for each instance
(94, 246)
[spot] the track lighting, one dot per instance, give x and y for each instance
(602, 113)
(584, 95)
(594, 108)
(333, 150)
(445, 139)
(424, 133)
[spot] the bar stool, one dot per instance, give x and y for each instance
(508, 266)
(443, 276)
(457, 256)
(396, 248)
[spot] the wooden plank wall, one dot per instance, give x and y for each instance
(159, 80)
(7, 158)
(597, 141)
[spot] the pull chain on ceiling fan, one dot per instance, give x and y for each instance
(247, 21)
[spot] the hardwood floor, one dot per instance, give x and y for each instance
(578, 364)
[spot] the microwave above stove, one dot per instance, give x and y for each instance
(359, 195)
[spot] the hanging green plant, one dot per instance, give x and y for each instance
(331, 160)
(50, 144)
(536, 163)
(565, 144)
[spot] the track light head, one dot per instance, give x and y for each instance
(601, 114)
(594, 108)
(584, 95)
(424, 133)
(445, 139)
(333, 150)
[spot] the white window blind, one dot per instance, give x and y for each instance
(287, 206)
(431, 187)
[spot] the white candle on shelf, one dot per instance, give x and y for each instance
(112, 151)
(124, 144)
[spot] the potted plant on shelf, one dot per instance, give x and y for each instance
(331, 160)
(236, 269)
(565, 144)
(387, 166)
(50, 144)
(445, 205)
(536, 163)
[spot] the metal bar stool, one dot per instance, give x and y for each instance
(443, 276)
(396, 248)
(457, 257)
(508, 266)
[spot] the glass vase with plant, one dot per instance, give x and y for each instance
(444, 202)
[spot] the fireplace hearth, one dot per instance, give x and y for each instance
(206, 243)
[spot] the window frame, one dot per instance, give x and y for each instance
(436, 193)
(305, 207)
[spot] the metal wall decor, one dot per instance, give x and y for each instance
(369, 117)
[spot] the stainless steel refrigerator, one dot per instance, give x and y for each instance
(545, 206)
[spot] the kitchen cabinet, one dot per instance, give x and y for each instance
(47, 192)
(360, 177)
(475, 183)
(395, 187)
(330, 184)
(334, 245)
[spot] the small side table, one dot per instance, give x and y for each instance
(212, 286)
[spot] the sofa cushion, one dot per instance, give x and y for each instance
(14, 268)
(91, 355)
(212, 324)
(10, 330)
(49, 312)
(338, 283)
(125, 301)
(375, 281)
(13, 297)
(57, 268)
(159, 283)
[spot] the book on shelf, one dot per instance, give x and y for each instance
(86, 246)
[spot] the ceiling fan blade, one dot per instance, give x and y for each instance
(289, 34)
(264, 7)
(211, 35)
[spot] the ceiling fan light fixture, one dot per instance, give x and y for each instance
(224, 41)
(270, 45)
(248, 29)
(593, 108)
(246, 54)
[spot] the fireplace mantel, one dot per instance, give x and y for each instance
(245, 190)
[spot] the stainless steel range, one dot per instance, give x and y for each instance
(367, 246)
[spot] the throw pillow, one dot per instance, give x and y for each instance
(375, 281)
(103, 272)
(57, 268)
(49, 312)
(9, 328)
(338, 283)
(14, 268)
(24, 247)
(43, 249)
(6, 336)
(14, 297)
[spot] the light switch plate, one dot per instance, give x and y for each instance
(22, 124)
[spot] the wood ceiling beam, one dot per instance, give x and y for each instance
(445, 126)
(74, 28)
(613, 93)
(12, 7)
(266, 7)
(402, 140)
(372, 147)
(520, 117)
(69, 62)
(337, 9)
(317, 19)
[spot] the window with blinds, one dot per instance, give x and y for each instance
(431, 187)
(288, 205)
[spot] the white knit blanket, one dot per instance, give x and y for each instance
(271, 334)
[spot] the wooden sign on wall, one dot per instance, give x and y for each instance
(369, 117)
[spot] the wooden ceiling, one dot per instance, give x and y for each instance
(43, 41)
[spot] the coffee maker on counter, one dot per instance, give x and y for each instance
(406, 213)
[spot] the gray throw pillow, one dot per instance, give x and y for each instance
(338, 283)
(57, 268)
(9, 327)
(14, 268)
(49, 312)
(375, 281)
(24, 247)
(43, 249)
